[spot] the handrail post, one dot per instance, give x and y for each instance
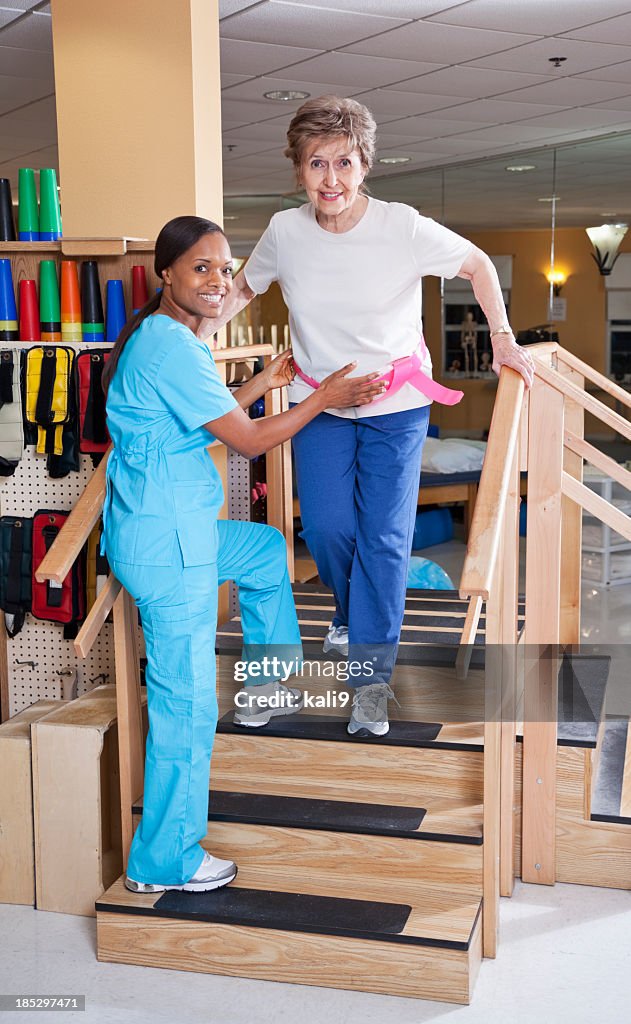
(509, 599)
(278, 472)
(572, 517)
(543, 596)
(129, 713)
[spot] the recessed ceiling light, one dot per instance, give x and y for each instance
(394, 159)
(286, 94)
(549, 199)
(520, 168)
(231, 216)
(608, 214)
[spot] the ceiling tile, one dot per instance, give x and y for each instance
(553, 18)
(244, 112)
(581, 117)
(567, 92)
(622, 103)
(614, 73)
(456, 144)
(613, 30)
(424, 127)
(292, 24)
(228, 79)
(30, 33)
(496, 111)
(534, 57)
(26, 63)
(357, 70)
(6, 17)
(470, 82)
(259, 132)
(408, 9)
(254, 89)
(23, 90)
(228, 7)
(244, 148)
(510, 133)
(19, 5)
(392, 102)
(444, 44)
(238, 55)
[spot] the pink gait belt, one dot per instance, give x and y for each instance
(406, 370)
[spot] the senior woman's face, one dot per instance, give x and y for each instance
(331, 174)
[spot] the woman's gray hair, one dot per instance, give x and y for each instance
(331, 117)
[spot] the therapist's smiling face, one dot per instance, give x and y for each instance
(197, 283)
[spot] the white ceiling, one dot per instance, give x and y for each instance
(449, 82)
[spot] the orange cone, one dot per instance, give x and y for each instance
(70, 302)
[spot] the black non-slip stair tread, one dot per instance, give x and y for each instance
(607, 792)
(291, 912)
(318, 727)
(313, 813)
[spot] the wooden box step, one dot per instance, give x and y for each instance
(301, 934)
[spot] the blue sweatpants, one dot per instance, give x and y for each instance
(358, 483)
(178, 609)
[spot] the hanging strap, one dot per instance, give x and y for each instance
(53, 590)
(94, 420)
(6, 378)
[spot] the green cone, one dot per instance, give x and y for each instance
(49, 304)
(28, 218)
(49, 213)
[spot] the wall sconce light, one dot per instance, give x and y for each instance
(606, 240)
(557, 279)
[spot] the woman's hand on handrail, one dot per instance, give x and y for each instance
(506, 352)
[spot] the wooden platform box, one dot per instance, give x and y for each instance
(17, 861)
(76, 798)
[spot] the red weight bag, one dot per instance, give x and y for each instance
(93, 436)
(56, 602)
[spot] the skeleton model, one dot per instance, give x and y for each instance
(469, 343)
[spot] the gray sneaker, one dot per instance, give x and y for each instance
(256, 705)
(369, 716)
(336, 640)
(211, 874)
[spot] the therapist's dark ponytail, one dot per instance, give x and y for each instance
(176, 237)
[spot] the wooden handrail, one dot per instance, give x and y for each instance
(238, 353)
(98, 613)
(467, 640)
(484, 537)
(62, 554)
(596, 505)
(598, 459)
(589, 403)
(595, 377)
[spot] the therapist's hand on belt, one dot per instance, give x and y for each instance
(339, 391)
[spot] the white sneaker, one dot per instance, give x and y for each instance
(211, 874)
(369, 716)
(336, 640)
(255, 705)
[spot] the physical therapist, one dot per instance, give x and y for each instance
(165, 404)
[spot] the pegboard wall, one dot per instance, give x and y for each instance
(40, 662)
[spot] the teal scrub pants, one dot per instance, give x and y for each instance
(178, 609)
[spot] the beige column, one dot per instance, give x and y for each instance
(138, 113)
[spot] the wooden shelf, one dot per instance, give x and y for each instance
(80, 246)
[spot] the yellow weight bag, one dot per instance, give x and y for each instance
(48, 381)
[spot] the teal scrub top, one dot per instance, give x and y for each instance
(163, 491)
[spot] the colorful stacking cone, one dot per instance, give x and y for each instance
(49, 306)
(139, 290)
(116, 315)
(49, 213)
(7, 224)
(28, 216)
(29, 312)
(91, 303)
(70, 302)
(8, 311)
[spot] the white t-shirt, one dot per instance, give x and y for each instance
(355, 295)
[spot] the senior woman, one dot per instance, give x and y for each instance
(350, 268)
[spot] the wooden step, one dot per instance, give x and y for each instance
(448, 783)
(302, 933)
(392, 849)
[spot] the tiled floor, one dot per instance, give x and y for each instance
(564, 953)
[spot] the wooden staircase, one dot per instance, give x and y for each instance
(400, 848)
(360, 863)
